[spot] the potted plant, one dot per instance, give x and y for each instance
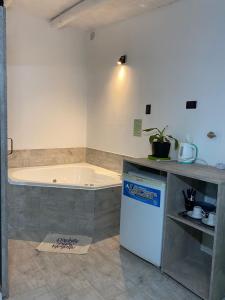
(161, 142)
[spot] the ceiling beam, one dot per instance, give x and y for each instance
(69, 15)
(8, 3)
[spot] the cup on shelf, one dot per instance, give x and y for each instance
(198, 212)
(211, 220)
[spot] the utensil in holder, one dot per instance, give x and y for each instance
(189, 199)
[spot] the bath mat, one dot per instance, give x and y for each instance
(67, 244)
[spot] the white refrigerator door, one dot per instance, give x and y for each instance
(141, 225)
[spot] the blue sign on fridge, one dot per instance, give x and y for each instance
(142, 193)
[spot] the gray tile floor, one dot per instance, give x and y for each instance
(105, 273)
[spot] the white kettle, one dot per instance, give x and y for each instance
(187, 153)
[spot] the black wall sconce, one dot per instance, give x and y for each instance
(122, 60)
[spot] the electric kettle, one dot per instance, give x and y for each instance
(187, 153)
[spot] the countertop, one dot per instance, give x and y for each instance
(196, 171)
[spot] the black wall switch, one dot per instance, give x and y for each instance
(191, 104)
(148, 109)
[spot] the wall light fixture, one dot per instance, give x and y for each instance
(122, 60)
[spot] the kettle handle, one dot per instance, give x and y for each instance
(195, 152)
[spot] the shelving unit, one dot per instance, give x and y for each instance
(187, 263)
(184, 258)
(193, 223)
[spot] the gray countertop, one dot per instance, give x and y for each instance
(197, 171)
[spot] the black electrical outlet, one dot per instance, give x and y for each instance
(148, 109)
(191, 104)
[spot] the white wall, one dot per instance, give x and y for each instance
(46, 84)
(175, 54)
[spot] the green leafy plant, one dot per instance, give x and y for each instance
(160, 136)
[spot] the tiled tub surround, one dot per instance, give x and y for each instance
(36, 211)
(104, 159)
(46, 157)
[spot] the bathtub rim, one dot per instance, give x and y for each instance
(19, 182)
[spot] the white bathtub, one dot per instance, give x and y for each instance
(75, 176)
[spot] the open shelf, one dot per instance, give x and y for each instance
(184, 259)
(197, 224)
(194, 273)
(177, 184)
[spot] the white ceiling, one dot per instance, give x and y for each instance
(98, 13)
